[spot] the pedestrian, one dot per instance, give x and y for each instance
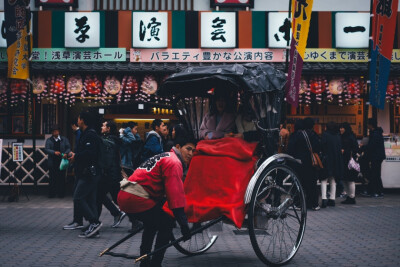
(331, 146)
(299, 149)
(127, 139)
(57, 147)
(173, 131)
(87, 170)
(111, 173)
(142, 197)
(375, 151)
(349, 150)
(137, 144)
(154, 140)
(77, 222)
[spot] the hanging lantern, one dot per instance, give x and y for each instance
(112, 85)
(352, 90)
(19, 91)
(74, 87)
(149, 85)
(92, 85)
(39, 87)
(56, 88)
(3, 91)
(129, 87)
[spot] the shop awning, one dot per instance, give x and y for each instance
(308, 67)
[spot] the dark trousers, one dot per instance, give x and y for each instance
(102, 198)
(308, 178)
(155, 221)
(375, 185)
(56, 181)
(78, 217)
(85, 198)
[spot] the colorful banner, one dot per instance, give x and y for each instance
(17, 17)
(383, 29)
(301, 16)
(207, 55)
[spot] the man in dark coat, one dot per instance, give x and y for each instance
(88, 173)
(57, 147)
(375, 155)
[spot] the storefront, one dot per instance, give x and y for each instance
(119, 82)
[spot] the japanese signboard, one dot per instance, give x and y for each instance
(56, 3)
(301, 17)
(351, 30)
(150, 29)
(277, 23)
(3, 41)
(218, 29)
(17, 152)
(82, 29)
(207, 55)
(76, 55)
(16, 28)
(383, 31)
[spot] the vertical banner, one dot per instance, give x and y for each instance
(383, 32)
(301, 16)
(16, 30)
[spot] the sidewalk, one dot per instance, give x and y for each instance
(366, 234)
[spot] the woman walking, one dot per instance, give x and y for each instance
(332, 161)
(349, 150)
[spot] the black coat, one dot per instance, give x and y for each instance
(298, 147)
(375, 147)
(87, 152)
(331, 146)
(350, 149)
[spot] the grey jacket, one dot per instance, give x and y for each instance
(49, 149)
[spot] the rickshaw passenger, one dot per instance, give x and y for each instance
(142, 197)
(245, 126)
(220, 121)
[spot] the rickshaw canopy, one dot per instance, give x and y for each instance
(252, 78)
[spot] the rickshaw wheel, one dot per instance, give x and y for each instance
(197, 244)
(277, 215)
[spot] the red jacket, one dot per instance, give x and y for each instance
(160, 176)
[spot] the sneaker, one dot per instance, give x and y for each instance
(349, 200)
(118, 219)
(316, 208)
(73, 226)
(365, 194)
(377, 195)
(85, 228)
(324, 203)
(93, 228)
(97, 234)
(331, 202)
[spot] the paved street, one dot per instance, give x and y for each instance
(366, 234)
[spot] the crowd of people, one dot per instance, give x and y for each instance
(343, 160)
(133, 177)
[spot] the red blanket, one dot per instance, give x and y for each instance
(217, 180)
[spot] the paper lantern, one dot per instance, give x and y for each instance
(39, 85)
(149, 85)
(74, 84)
(129, 87)
(303, 86)
(112, 85)
(3, 91)
(19, 91)
(92, 85)
(335, 86)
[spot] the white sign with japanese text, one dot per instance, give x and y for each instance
(18, 152)
(208, 55)
(218, 29)
(150, 29)
(352, 30)
(82, 29)
(276, 29)
(3, 41)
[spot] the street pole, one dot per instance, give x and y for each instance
(284, 103)
(366, 94)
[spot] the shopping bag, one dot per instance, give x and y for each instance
(353, 165)
(64, 164)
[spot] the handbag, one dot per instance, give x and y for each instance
(315, 159)
(353, 165)
(64, 164)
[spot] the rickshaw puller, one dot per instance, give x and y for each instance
(141, 197)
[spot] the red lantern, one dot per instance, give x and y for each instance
(92, 85)
(317, 85)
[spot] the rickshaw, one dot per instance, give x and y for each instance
(274, 199)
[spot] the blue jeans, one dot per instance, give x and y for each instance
(85, 198)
